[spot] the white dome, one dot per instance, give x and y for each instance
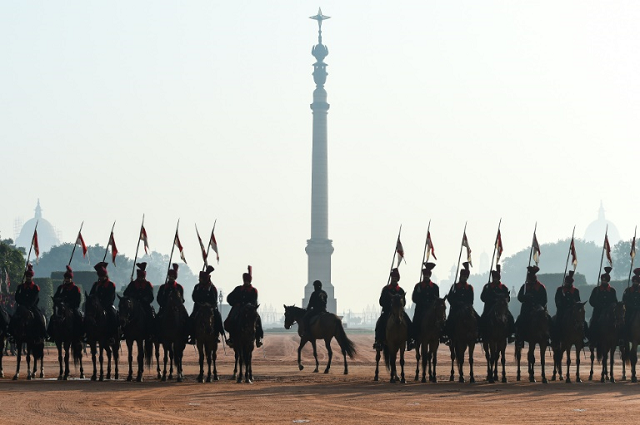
(596, 230)
(47, 237)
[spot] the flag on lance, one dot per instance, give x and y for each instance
(399, 252)
(536, 249)
(430, 249)
(80, 241)
(574, 255)
(632, 254)
(36, 246)
(465, 243)
(114, 248)
(499, 247)
(144, 239)
(202, 250)
(176, 242)
(214, 245)
(607, 249)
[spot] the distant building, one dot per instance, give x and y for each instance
(596, 230)
(47, 237)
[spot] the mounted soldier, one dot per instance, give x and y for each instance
(490, 293)
(105, 291)
(69, 293)
(388, 291)
(460, 295)
(242, 295)
(317, 305)
(532, 294)
(566, 296)
(28, 296)
(602, 295)
(631, 299)
(171, 285)
(205, 292)
(424, 294)
(141, 290)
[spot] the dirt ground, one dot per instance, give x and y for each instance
(281, 394)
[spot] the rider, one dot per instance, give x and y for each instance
(601, 297)
(631, 299)
(385, 302)
(141, 290)
(490, 292)
(105, 290)
(532, 293)
(566, 296)
(460, 295)
(69, 294)
(28, 295)
(169, 286)
(204, 292)
(424, 294)
(317, 305)
(242, 295)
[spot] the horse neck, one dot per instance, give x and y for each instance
(298, 313)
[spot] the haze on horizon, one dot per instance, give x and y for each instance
(466, 112)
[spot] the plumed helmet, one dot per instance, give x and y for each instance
(606, 277)
(173, 271)
(428, 267)
(69, 273)
(495, 274)
(101, 269)
(636, 275)
(465, 272)
(141, 272)
(317, 284)
(569, 278)
(206, 274)
(29, 272)
(248, 276)
(532, 270)
(395, 274)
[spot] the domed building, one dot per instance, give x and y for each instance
(596, 230)
(47, 237)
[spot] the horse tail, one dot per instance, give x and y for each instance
(148, 352)
(345, 343)
(625, 353)
(76, 347)
(599, 352)
(387, 357)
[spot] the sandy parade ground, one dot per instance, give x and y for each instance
(281, 393)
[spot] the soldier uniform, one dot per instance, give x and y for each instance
(532, 293)
(317, 305)
(388, 291)
(424, 294)
(240, 296)
(141, 290)
(105, 290)
(205, 292)
(460, 295)
(602, 296)
(490, 293)
(69, 293)
(28, 295)
(631, 299)
(566, 296)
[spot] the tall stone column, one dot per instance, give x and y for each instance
(319, 247)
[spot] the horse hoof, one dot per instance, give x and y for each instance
(170, 376)
(578, 380)
(504, 380)
(451, 379)
(613, 380)
(208, 379)
(15, 377)
(66, 378)
(139, 379)
(346, 372)
(544, 380)
(326, 371)
(300, 367)
(602, 380)
(82, 376)
(472, 380)
(200, 379)
(179, 379)
(101, 379)
(434, 380)
(215, 378)
(315, 371)
(1, 374)
(490, 380)
(461, 380)
(553, 378)
(59, 377)
(248, 381)
(424, 380)
(164, 378)
(403, 381)
(115, 376)
(634, 379)
(239, 381)
(93, 377)
(532, 379)
(375, 378)
(590, 378)
(29, 377)
(159, 376)
(393, 381)
(129, 378)
(108, 376)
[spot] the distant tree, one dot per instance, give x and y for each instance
(621, 257)
(12, 260)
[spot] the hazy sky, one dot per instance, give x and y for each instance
(450, 111)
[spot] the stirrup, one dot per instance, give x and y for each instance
(259, 342)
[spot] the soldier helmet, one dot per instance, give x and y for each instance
(69, 273)
(395, 274)
(173, 272)
(29, 272)
(248, 277)
(532, 270)
(569, 278)
(636, 275)
(606, 277)
(142, 270)
(465, 272)
(428, 267)
(205, 274)
(317, 284)
(495, 274)
(101, 269)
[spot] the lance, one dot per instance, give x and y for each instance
(30, 247)
(566, 264)
(464, 232)
(75, 244)
(209, 244)
(133, 269)
(530, 254)
(173, 246)
(393, 259)
(633, 257)
(495, 246)
(424, 253)
(106, 250)
(602, 256)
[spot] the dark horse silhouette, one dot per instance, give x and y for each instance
(26, 332)
(172, 333)
(463, 337)
(323, 326)
(244, 339)
(536, 333)
(604, 336)
(206, 336)
(99, 335)
(430, 327)
(66, 337)
(568, 333)
(4, 331)
(494, 341)
(396, 335)
(133, 322)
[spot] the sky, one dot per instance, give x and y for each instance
(454, 112)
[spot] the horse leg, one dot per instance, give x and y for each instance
(156, 346)
(434, 361)
(568, 380)
(578, 349)
(214, 358)
(503, 361)
(66, 360)
(209, 361)
(140, 343)
(18, 359)
(543, 349)
(418, 345)
(315, 355)
(375, 377)
(247, 367)
(201, 347)
(634, 361)
(518, 358)
(472, 346)
(488, 356)
(235, 366)
(531, 362)
(94, 352)
(101, 359)
(30, 375)
(327, 343)
(240, 355)
(300, 366)
(453, 357)
(426, 363)
(402, 380)
(59, 347)
(172, 355)
(592, 358)
(612, 379)
(460, 361)
(116, 358)
(165, 359)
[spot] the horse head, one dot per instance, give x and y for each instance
(292, 314)
(125, 310)
(397, 305)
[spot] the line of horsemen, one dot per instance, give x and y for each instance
(204, 293)
(532, 295)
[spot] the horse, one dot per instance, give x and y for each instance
(430, 329)
(323, 326)
(99, 334)
(570, 333)
(630, 347)
(536, 333)
(25, 330)
(605, 334)
(206, 336)
(172, 333)
(396, 336)
(243, 341)
(494, 341)
(464, 336)
(65, 337)
(4, 332)
(133, 322)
